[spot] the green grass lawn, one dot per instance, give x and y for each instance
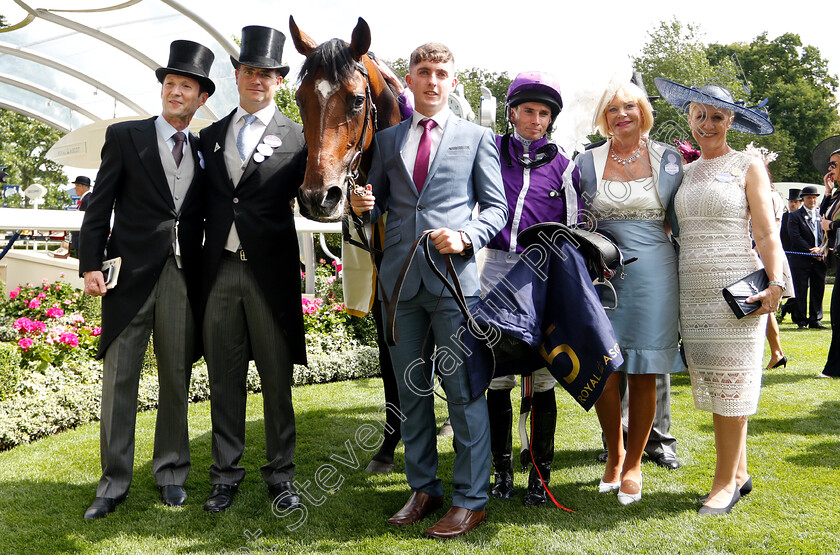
(794, 451)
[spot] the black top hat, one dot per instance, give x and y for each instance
(822, 154)
(794, 194)
(82, 180)
(810, 190)
(262, 48)
(189, 59)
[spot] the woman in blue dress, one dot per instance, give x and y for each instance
(628, 186)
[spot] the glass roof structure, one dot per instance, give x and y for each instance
(70, 68)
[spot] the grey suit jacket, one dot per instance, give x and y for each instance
(464, 173)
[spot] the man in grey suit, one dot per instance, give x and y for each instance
(255, 159)
(149, 180)
(428, 173)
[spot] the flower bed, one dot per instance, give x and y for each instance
(49, 381)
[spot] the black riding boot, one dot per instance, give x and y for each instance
(498, 405)
(544, 419)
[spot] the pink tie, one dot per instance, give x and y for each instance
(421, 163)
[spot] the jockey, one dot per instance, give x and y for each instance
(541, 185)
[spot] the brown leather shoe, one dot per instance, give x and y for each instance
(456, 522)
(416, 508)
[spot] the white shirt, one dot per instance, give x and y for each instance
(412, 141)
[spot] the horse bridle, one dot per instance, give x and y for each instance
(370, 121)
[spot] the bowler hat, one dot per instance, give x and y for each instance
(189, 59)
(262, 48)
(809, 190)
(822, 154)
(82, 180)
(794, 194)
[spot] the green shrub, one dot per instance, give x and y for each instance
(9, 368)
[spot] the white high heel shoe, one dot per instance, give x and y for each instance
(607, 487)
(628, 498)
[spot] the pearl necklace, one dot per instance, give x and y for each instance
(624, 161)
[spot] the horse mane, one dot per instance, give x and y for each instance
(334, 57)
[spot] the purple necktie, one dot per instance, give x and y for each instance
(178, 149)
(424, 151)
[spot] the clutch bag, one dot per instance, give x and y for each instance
(737, 293)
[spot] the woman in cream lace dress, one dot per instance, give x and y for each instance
(721, 193)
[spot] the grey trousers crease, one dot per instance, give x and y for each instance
(238, 322)
(426, 318)
(167, 314)
(660, 440)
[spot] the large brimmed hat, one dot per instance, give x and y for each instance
(752, 119)
(823, 153)
(262, 48)
(794, 194)
(189, 59)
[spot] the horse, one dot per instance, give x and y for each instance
(343, 100)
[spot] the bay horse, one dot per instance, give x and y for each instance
(343, 100)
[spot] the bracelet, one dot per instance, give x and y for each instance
(777, 284)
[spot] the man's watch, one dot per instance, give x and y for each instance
(778, 284)
(468, 247)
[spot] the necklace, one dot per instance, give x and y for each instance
(624, 161)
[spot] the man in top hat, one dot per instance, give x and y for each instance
(794, 203)
(255, 160)
(808, 268)
(82, 184)
(148, 177)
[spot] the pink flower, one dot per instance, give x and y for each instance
(58, 288)
(24, 323)
(14, 293)
(25, 343)
(76, 295)
(34, 303)
(338, 268)
(302, 275)
(321, 261)
(54, 313)
(330, 280)
(62, 274)
(68, 302)
(47, 288)
(96, 331)
(41, 295)
(37, 326)
(69, 338)
(77, 319)
(44, 280)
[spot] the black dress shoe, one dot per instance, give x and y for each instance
(102, 506)
(221, 497)
(745, 489)
(284, 496)
(666, 460)
(817, 326)
(172, 495)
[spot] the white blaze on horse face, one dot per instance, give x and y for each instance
(325, 91)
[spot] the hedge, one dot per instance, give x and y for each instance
(62, 398)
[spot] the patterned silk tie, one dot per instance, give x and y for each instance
(178, 149)
(240, 139)
(424, 151)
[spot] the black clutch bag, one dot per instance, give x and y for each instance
(737, 293)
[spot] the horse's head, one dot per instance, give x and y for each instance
(337, 96)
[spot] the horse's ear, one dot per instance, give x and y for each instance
(360, 40)
(303, 43)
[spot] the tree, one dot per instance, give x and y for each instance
(25, 143)
(801, 91)
(676, 51)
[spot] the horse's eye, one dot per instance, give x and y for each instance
(358, 102)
